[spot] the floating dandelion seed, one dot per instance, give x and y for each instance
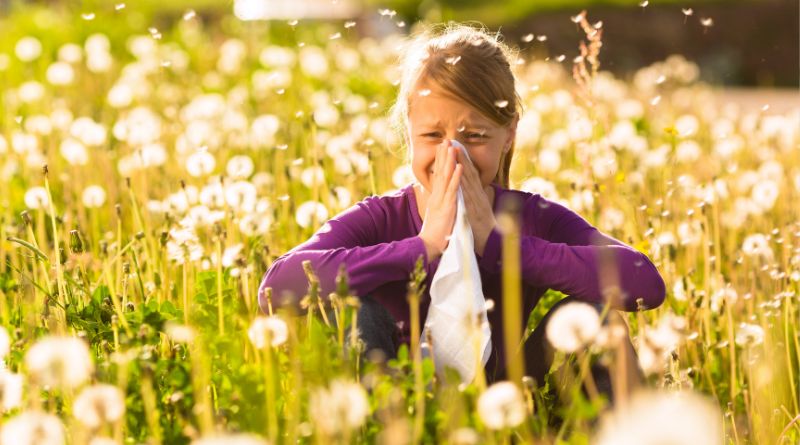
(453, 60)
(501, 103)
(119, 6)
(661, 79)
(461, 128)
(190, 14)
(424, 92)
(335, 36)
(644, 3)
(655, 100)
(561, 58)
(349, 24)
(598, 24)
(577, 59)
(707, 22)
(765, 107)
(401, 24)
(541, 38)
(527, 38)
(88, 16)
(292, 22)
(577, 18)
(687, 11)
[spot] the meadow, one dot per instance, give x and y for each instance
(151, 172)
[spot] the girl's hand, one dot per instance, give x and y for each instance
(476, 200)
(440, 211)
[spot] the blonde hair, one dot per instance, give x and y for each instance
(468, 63)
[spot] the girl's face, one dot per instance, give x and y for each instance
(434, 116)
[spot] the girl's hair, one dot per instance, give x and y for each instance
(468, 63)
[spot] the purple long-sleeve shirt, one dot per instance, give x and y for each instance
(377, 241)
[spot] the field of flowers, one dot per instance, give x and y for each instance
(150, 173)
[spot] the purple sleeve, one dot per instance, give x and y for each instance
(350, 237)
(567, 258)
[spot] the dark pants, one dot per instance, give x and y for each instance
(380, 334)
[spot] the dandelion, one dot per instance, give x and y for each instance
(59, 361)
(31, 91)
(183, 245)
(272, 330)
(179, 333)
(727, 295)
(644, 3)
(188, 15)
(756, 245)
(28, 49)
(692, 419)
(200, 163)
(310, 210)
(312, 176)
(74, 152)
(340, 407)
(93, 196)
(33, 428)
(527, 38)
(501, 103)
(5, 342)
(573, 326)
(765, 194)
(60, 73)
(10, 390)
(99, 404)
(749, 334)
(502, 406)
(687, 11)
(349, 24)
(119, 6)
(37, 198)
(240, 167)
(230, 439)
(707, 22)
(88, 16)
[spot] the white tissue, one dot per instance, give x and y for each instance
(456, 298)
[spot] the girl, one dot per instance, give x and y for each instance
(458, 84)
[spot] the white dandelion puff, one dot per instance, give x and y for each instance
(749, 334)
(240, 167)
(93, 196)
(692, 419)
(310, 210)
(37, 198)
(200, 163)
(59, 361)
(33, 428)
(98, 405)
(573, 326)
(502, 406)
(28, 49)
(342, 406)
(268, 330)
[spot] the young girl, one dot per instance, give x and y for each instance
(458, 84)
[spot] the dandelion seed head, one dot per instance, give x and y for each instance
(270, 330)
(502, 406)
(342, 406)
(572, 326)
(33, 428)
(59, 361)
(99, 404)
(93, 196)
(28, 49)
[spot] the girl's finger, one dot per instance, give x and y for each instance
(455, 181)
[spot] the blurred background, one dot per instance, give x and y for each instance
(748, 43)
